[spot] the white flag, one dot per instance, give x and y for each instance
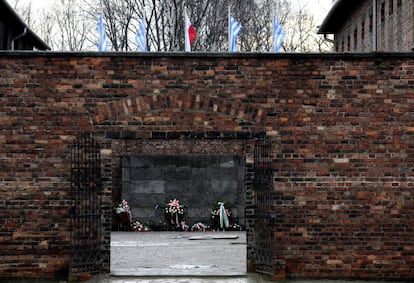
(234, 28)
(278, 35)
(141, 36)
(102, 40)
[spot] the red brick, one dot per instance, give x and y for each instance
(342, 128)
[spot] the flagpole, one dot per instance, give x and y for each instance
(102, 39)
(229, 27)
(145, 29)
(272, 28)
(187, 45)
(146, 33)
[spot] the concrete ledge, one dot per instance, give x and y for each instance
(255, 55)
(200, 271)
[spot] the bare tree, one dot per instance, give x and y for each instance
(165, 23)
(210, 21)
(258, 32)
(301, 33)
(72, 27)
(46, 28)
(63, 26)
(25, 11)
(118, 15)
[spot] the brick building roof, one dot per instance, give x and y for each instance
(14, 29)
(338, 15)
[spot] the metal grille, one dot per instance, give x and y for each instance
(263, 187)
(86, 208)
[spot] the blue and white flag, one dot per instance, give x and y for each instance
(102, 40)
(234, 28)
(141, 36)
(278, 35)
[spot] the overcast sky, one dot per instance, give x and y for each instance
(319, 7)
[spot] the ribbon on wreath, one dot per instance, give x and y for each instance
(174, 203)
(177, 223)
(124, 208)
(224, 220)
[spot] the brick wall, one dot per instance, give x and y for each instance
(343, 127)
(395, 27)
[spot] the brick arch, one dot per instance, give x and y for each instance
(132, 105)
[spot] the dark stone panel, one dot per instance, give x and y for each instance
(143, 186)
(145, 161)
(179, 188)
(145, 200)
(177, 173)
(175, 160)
(218, 173)
(198, 173)
(126, 174)
(198, 181)
(126, 161)
(205, 161)
(145, 173)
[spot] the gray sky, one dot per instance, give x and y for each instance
(319, 7)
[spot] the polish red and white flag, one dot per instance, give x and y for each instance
(190, 33)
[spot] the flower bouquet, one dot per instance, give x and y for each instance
(138, 226)
(220, 216)
(174, 212)
(199, 227)
(125, 216)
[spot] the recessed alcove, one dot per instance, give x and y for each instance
(205, 169)
(197, 181)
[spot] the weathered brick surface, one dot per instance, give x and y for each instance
(394, 27)
(343, 126)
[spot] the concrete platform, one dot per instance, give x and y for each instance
(249, 278)
(178, 253)
(186, 257)
(253, 278)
